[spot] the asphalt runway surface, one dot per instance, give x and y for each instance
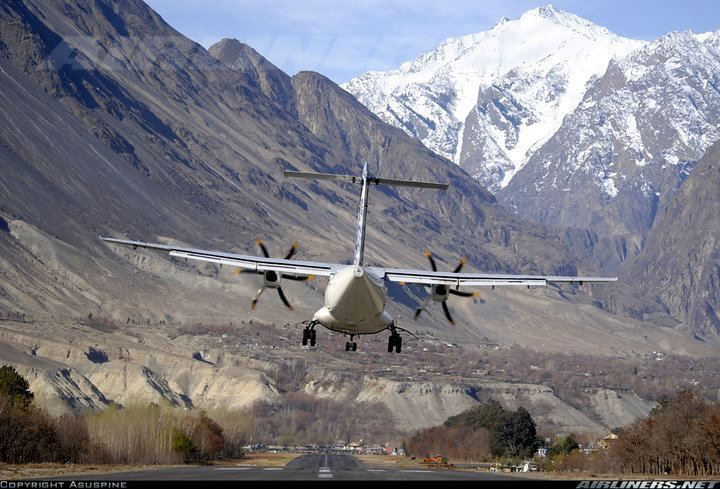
(305, 467)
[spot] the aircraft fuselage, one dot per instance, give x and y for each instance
(354, 302)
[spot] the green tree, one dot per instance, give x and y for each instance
(512, 433)
(14, 385)
(518, 433)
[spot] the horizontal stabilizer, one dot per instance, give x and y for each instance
(322, 176)
(371, 180)
(407, 183)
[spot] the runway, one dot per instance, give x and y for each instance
(305, 467)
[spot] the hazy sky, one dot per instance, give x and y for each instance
(343, 39)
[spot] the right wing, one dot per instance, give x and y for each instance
(256, 264)
(480, 279)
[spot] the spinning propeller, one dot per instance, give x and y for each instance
(441, 292)
(272, 279)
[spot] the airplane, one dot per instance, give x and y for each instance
(356, 295)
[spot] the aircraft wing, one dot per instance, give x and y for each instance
(256, 264)
(480, 279)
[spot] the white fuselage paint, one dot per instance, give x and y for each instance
(354, 302)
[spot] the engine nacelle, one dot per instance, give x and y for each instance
(272, 279)
(440, 292)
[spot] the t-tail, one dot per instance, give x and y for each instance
(366, 180)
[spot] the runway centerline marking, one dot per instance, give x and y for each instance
(234, 468)
(324, 472)
(274, 468)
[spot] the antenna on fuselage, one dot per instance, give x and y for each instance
(366, 180)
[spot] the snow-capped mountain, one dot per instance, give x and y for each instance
(489, 100)
(621, 154)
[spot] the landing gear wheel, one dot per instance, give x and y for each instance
(306, 336)
(347, 346)
(398, 344)
(354, 346)
(312, 337)
(391, 344)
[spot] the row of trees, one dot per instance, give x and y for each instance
(132, 434)
(485, 431)
(681, 436)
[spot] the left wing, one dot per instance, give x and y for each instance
(480, 279)
(246, 262)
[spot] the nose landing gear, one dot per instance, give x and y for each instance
(351, 345)
(309, 334)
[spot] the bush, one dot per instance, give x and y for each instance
(238, 427)
(26, 435)
(206, 438)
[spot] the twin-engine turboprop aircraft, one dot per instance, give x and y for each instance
(355, 295)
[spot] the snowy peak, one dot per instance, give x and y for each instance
(487, 100)
(566, 19)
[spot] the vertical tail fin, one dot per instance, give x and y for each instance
(361, 220)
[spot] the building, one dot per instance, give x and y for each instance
(608, 441)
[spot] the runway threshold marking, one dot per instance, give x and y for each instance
(234, 468)
(325, 472)
(377, 470)
(274, 468)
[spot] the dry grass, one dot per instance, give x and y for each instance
(261, 459)
(44, 470)
(389, 461)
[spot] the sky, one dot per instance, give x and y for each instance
(342, 39)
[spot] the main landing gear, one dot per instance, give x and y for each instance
(309, 334)
(395, 341)
(351, 345)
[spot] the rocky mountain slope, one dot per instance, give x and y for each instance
(625, 150)
(78, 368)
(489, 100)
(687, 283)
